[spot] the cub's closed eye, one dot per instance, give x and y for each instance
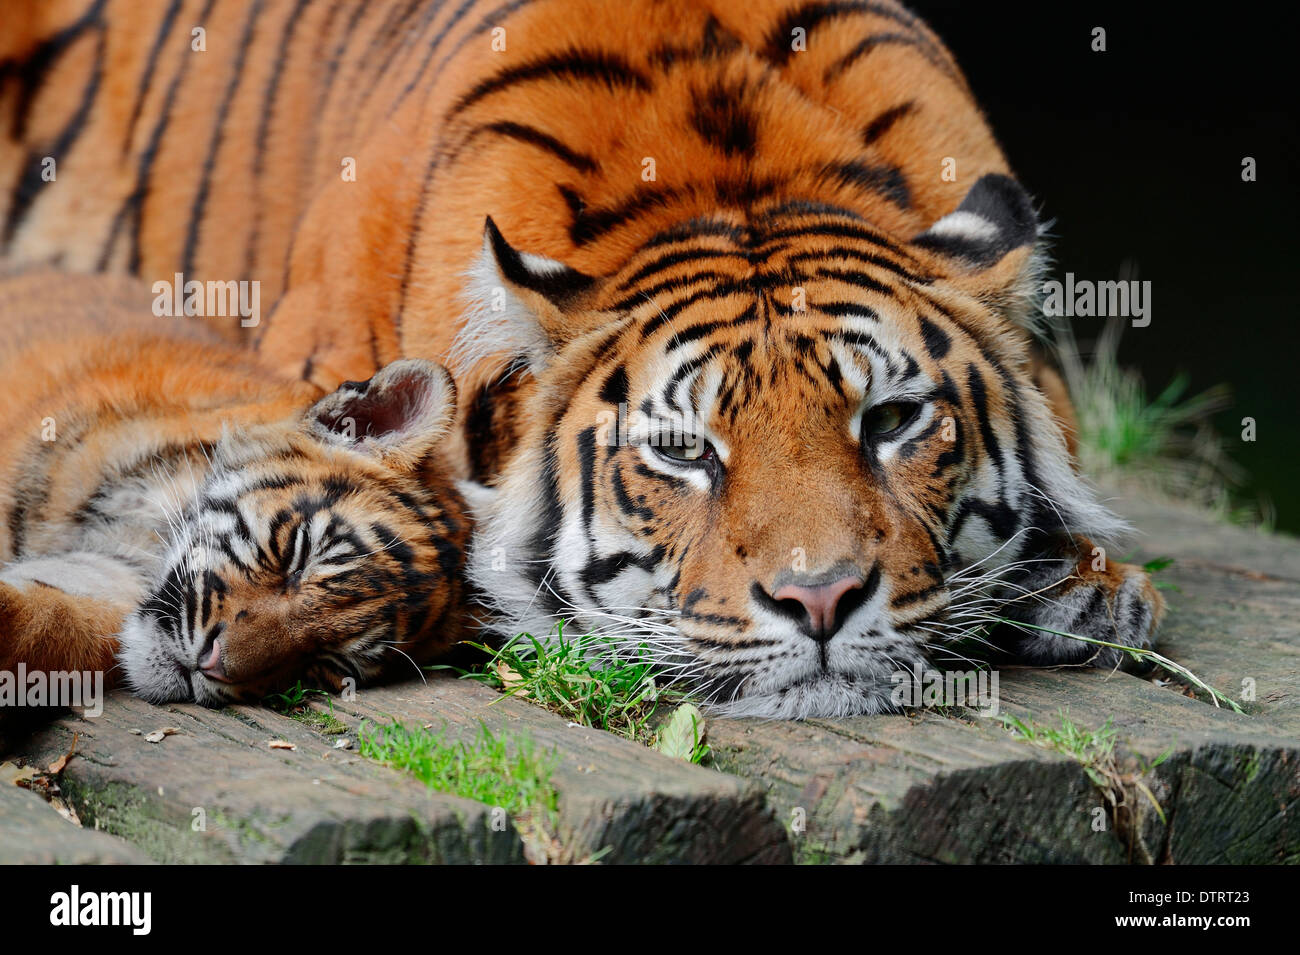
(298, 552)
(889, 418)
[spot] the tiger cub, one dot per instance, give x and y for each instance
(217, 530)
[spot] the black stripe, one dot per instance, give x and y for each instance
(688, 367)
(489, 22)
(594, 66)
(812, 15)
(199, 207)
(637, 508)
(32, 71)
(678, 283)
(840, 230)
(264, 125)
(699, 228)
(534, 137)
(883, 123)
(601, 570)
(854, 277)
(887, 181)
(677, 258)
(151, 65)
(723, 119)
(937, 341)
(457, 15)
(867, 45)
(589, 225)
(29, 181)
(691, 333)
(980, 401)
(587, 475)
(848, 310)
(133, 206)
(614, 390)
(858, 255)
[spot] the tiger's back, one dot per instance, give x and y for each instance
(233, 162)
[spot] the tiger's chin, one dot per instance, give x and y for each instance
(155, 674)
(152, 673)
(830, 696)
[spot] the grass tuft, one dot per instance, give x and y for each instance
(592, 681)
(1167, 443)
(295, 703)
(1095, 752)
(490, 769)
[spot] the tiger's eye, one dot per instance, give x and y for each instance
(887, 418)
(689, 450)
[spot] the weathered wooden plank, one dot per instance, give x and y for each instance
(619, 801)
(215, 792)
(31, 833)
(1234, 617)
(1188, 533)
(931, 788)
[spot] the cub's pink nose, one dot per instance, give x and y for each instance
(821, 603)
(211, 664)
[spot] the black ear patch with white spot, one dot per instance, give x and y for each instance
(996, 217)
(553, 280)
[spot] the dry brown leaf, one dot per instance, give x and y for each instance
(56, 767)
(510, 678)
(281, 744)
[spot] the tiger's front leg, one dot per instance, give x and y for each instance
(63, 613)
(1074, 588)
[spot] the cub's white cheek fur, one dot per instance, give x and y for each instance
(151, 671)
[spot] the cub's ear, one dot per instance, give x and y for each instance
(517, 304)
(398, 416)
(990, 244)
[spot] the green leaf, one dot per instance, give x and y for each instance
(682, 733)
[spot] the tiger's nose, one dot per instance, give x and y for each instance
(210, 661)
(822, 604)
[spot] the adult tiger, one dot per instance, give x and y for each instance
(778, 230)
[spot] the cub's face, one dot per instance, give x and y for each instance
(781, 502)
(325, 549)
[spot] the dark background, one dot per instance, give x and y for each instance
(1136, 153)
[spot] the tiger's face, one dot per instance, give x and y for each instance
(771, 453)
(324, 549)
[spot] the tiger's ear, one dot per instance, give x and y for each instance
(990, 245)
(518, 303)
(398, 416)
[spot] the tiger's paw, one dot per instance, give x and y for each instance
(1113, 603)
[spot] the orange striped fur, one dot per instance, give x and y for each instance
(784, 221)
(168, 499)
